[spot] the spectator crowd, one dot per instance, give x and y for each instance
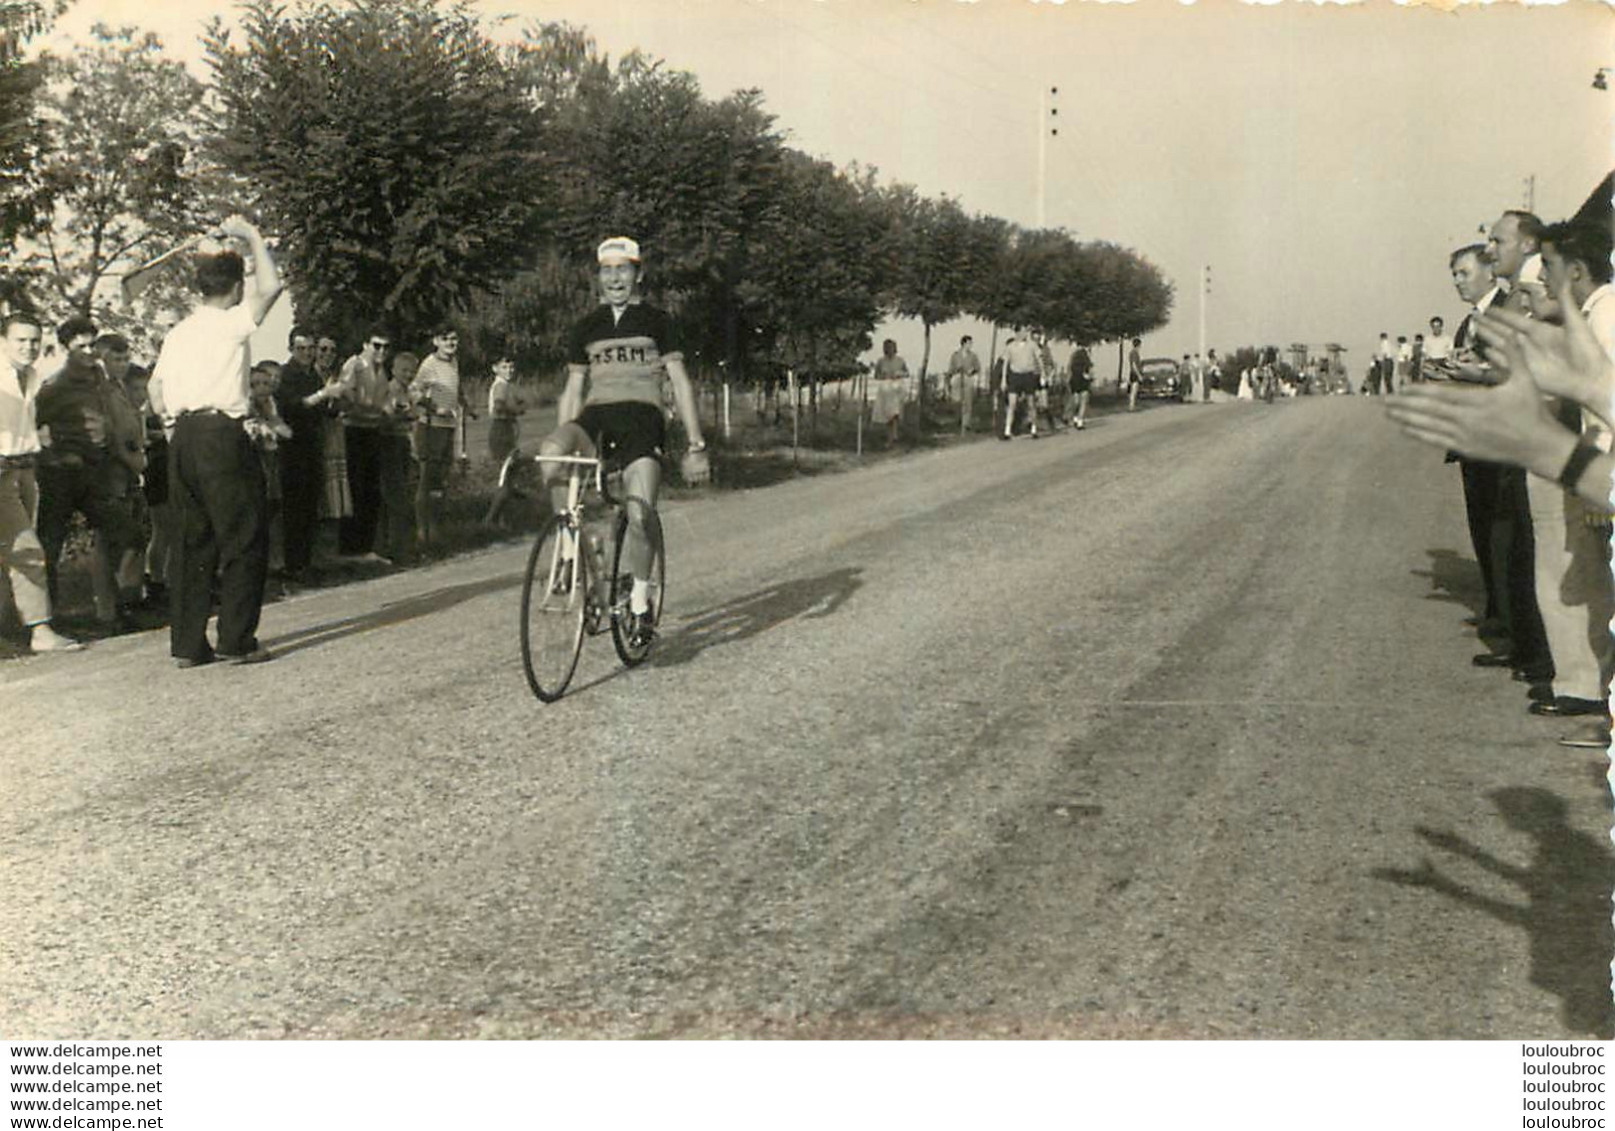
(1523, 398)
(194, 486)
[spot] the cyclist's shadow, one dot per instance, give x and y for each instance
(746, 617)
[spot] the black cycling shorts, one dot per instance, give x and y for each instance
(1022, 383)
(625, 431)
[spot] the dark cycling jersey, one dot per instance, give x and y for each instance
(626, 358)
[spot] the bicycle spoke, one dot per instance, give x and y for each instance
(554, 599)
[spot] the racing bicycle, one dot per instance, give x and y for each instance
(568, 592)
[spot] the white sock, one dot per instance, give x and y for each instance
(639, 597)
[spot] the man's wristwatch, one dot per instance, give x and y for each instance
(1576, 466)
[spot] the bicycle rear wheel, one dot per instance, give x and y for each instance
(555, 597)
(632, 648)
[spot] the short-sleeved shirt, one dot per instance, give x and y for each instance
(368, 391)
(626, 358)
(205, 361)
(1022, 356)
(890, 368)
(438, 382)
(964, 361)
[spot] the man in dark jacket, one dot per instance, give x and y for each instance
(86, 467)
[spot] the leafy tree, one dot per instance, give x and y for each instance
(646, 155)
(813, 278)
(22, 136)
(398, 155)
(941, 258)
(118, 180)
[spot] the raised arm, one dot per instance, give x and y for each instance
(267, 285)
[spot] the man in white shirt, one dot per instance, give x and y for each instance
(1437, 344)
(21, 554)
(1573, 551)
(965, 368)
(1383, 356)
(200, 385)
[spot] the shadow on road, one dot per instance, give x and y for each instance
(394, 613)
(1566, 912)
(1454, 578)
(746, 617)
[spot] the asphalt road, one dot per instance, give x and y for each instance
(1166, 729)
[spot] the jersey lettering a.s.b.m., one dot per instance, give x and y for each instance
(626, 358)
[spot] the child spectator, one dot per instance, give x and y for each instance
(505, 407)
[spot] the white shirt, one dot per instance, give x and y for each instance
(1437, 347)
(19, 434)
(1384, 347)
(1600, 311)
(205, 363)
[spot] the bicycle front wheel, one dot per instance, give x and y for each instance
(555, 597)
(633, 639)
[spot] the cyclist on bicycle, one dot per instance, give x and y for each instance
(618, 358)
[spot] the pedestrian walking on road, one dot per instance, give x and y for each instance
(890, 380)
(1020, 380)
(1081, 386)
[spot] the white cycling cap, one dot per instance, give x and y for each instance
(618, 249)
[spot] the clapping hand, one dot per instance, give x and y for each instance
(1509, 422)
(1564, 361)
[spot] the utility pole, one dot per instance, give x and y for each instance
(1205, 289)
(1048, 126)
(1530, 193)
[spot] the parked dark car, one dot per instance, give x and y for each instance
(1161, 379)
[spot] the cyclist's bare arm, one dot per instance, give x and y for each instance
(684, 398)
(571, 403)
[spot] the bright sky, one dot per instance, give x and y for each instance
(1322, 159)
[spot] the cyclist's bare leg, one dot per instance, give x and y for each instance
(567, 440)
(641, 480)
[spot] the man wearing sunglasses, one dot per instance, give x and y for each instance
(366, 396)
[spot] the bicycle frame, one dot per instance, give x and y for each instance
(596, 591)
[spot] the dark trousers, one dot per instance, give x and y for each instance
(1480, 504)
(1513, 551)
(357, 534)
(397, 497)
(302, 478)
(217, 482)
(99, 491)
